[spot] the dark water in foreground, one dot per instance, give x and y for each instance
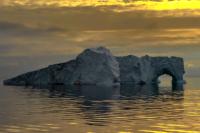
(106, 110)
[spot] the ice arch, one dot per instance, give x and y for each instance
(170, 66)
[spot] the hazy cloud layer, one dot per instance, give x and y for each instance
(96, 18)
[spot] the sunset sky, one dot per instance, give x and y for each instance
(34, 34)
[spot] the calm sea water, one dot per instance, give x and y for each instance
(127, 109)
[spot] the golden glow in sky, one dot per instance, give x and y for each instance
(138, 4)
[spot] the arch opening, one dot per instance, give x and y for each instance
(166, 78)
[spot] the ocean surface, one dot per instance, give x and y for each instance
(126, 109)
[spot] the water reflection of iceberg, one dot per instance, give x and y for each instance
(139, 90)
(100, 105)
(108, 93)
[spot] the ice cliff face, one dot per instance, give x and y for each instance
(97, 66)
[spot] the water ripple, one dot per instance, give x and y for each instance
(28, 110)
